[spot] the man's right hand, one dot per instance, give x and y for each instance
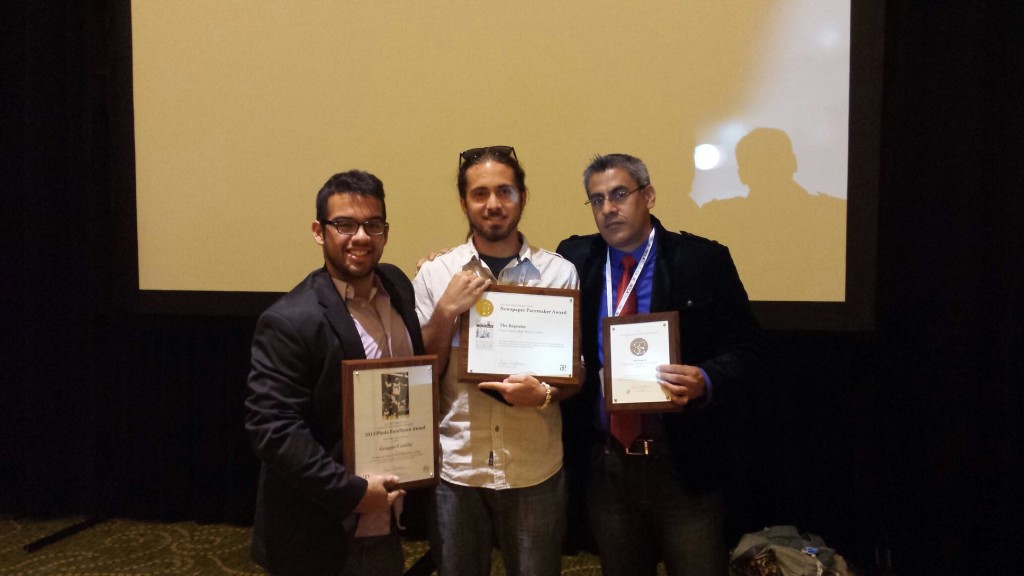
(380, 494)
(463, 291)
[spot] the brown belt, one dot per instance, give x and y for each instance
(641, 447)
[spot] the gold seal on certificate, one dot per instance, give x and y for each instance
(484, 307)
(634, 346)
(390, 420)
(638, 347)
(517, 330)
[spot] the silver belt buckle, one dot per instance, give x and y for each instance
(640, 447)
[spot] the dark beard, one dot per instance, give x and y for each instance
(496, 235)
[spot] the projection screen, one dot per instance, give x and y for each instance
(741, 109)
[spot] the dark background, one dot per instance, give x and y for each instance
(908, 436)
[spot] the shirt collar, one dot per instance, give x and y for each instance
(524, 248)
(637, 253)
(525, 254)
(347, 292)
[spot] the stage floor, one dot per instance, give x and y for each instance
(120, 547)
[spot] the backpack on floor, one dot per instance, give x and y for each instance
(783, 551)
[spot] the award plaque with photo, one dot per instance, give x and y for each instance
(390, 420)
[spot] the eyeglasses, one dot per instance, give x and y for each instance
(474, 153)
(373, 227)
(617, 196)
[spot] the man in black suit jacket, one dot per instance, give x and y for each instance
(659, 497)
(308, 503)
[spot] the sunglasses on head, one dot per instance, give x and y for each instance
(474, 153)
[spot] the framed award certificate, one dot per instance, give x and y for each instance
(390, 419)
(634, 346)
(516, 329)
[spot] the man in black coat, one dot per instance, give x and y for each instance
(658, 494)
(309, 503)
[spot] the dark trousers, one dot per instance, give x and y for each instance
(640, 515)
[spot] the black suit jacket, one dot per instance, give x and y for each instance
(717, 332)
(304, 520)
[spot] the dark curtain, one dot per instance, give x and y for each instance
(106, 411)
(944, 452)
(906, 438)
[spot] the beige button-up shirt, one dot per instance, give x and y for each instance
(486, 443)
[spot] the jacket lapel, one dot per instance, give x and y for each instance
(407, 310)
(664, 258)
(337, 315)
(593, 281)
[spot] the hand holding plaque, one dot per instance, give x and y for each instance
(683, 383)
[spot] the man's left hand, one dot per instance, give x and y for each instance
(682, 382)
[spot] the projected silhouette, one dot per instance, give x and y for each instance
(788, 243)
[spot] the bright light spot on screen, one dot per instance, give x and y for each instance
(706, 156)
(731, 132)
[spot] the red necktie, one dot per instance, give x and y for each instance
(625, 426)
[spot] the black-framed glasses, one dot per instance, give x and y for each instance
(474, 153)
(617, 196)
(348, 227)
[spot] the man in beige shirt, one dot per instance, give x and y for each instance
(501, 474)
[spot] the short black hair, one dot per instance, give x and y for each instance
(352, 182)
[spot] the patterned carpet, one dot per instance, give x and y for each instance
(132, 548)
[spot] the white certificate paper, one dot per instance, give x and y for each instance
(637, 350)
(522, 330)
